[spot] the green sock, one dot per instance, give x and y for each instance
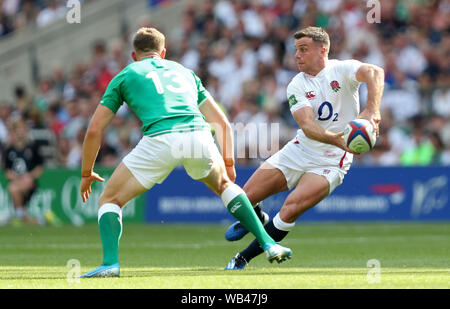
(110, 227)
(240, 207)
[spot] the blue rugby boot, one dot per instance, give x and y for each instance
(104, 272)
(236, 263)
(236, 231)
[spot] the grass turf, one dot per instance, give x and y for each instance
(410, 255)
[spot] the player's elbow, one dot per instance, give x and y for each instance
(376, 73)
(94, 132)
(227, 125)
(370, 74)
(379, 73)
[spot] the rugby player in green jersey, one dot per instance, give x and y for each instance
(177, 114)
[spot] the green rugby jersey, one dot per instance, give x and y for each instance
(164, 95)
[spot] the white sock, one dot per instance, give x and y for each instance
(109, 207)
(281, 225)
(230, 193)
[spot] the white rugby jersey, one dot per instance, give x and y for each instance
(333, 96)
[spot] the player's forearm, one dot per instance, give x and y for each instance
(91, 146)
(305, 120)
(374, 78)
(224, 135)
(228, 150)
(317, 133)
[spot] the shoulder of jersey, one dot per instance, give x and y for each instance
(297, 78)
(333, 62)
(330, 64)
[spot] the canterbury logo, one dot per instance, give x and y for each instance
(310, 94)
(235, 207)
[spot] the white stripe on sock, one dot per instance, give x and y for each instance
(109, 207)
(281, 225)
(230, 193)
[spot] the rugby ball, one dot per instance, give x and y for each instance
(359, 135)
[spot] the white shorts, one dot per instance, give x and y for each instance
(154, 158)
(294, 161)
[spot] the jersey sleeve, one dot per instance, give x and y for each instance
(349, 68)
(296, 97)
(202, 93)
(113, 98)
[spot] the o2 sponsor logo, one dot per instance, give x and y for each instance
(325, 112)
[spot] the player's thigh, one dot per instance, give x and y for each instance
(310, 190)
(121, 187)
(205, 163)
(22, 185)
(266, 181)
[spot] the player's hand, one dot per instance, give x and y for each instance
(231, 172)
(373, 117)
(339, 142)
(85, 185)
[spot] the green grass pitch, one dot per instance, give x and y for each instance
(163, 256)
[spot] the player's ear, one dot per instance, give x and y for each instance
(133, 55)
(163, 53)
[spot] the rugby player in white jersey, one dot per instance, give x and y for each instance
(323, 98)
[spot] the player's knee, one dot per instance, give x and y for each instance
(13, 188)
(224, 183)
(105, 199)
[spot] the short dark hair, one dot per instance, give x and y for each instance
(148, 40)
(317, 34)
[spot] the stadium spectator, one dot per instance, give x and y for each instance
(6, 24)
(23, 165)
(5, 111)
(53, 11)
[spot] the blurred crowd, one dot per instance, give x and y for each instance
(16, 15)
(243, 51)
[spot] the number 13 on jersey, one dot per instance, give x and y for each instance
(177, 82)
